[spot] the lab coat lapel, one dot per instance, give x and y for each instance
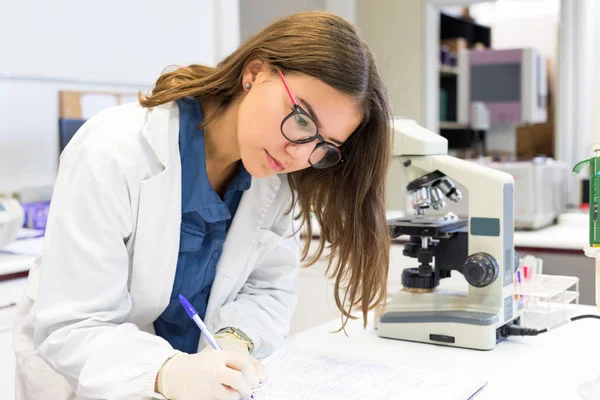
(161, 128)
(156, 243)
(158, 218)
(242, 240)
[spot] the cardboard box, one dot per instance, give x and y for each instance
(69, 104)
(538, 139)
(83, 105)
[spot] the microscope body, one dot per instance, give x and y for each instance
(480, 248)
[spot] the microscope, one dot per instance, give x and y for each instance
(479, 247)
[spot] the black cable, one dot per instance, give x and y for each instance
(516, 330)
(585, 316)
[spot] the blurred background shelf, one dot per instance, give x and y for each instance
(448, 70)
(453, 125)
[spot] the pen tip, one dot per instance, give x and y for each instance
(187, 306)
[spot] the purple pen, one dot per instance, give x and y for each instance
(191, 311)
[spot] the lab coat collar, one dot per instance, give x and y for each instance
(162, 120)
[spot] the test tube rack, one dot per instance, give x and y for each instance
(546, 300)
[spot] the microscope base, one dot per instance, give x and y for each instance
(440, 317)
(446, 334)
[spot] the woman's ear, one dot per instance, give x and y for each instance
(255, 72)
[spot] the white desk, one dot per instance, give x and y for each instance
(18, 256)
(570, 233)
(11, 291)
(548, 366)
(15, 260)
(13, 264)
(572, 344)
(7, 366)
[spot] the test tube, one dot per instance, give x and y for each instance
(519, 282)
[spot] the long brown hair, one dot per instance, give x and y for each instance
(348, 200)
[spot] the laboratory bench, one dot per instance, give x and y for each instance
(555, 371)
(17, 257)
(11, 291)
(549, 366)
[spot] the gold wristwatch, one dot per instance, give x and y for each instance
(239, 335)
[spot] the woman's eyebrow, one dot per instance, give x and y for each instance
(312, 114)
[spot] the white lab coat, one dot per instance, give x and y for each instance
(110, 256)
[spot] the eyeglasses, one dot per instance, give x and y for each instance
(299, 127)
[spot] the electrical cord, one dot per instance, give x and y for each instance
(516, 330)
(585, 316)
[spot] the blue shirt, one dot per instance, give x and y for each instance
(205, 220)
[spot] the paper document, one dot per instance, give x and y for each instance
(26, 233)
(297, 374)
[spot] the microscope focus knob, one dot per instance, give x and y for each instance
(480, 269)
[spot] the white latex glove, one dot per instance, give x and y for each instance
(230, 343)
(211, 374)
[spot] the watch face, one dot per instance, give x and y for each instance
(241, 336)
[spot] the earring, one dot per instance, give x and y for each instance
(247, 85)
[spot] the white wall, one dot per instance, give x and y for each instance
(394, 30)
(110, 41)
(522, 24)
(344, 8)
(257, 14)
(113, 45)
(29, 130)
(227, 29)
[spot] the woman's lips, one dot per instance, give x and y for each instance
(273, 163)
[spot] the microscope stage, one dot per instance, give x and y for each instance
(431, 227)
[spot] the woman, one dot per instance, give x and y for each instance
(194, 191)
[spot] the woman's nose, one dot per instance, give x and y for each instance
(301, 152)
